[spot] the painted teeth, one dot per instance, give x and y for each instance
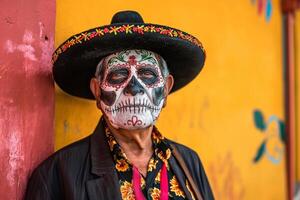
(132, 108)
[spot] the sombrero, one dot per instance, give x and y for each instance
(75, 61)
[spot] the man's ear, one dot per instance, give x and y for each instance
(94, 86)
(168, 87)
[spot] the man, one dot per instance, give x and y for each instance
(129, 67)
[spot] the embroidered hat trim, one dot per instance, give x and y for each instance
(127, 29)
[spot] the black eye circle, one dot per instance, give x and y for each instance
(117, 76)
(148, 75)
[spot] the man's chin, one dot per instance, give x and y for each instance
(131, 122)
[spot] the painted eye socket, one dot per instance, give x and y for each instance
(148, 75)
(117, 76)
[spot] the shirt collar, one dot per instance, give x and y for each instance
(161, 146)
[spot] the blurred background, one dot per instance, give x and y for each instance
(241, 114)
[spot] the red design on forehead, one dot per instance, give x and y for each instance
(132, 60)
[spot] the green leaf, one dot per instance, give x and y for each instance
(260, 152)
(143, 56)
(259, 120)
(282, 131)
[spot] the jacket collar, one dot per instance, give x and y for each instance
(180, 176)
(106, 185)
(101, 159)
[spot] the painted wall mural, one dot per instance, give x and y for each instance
(226, 178)
(272, 145)
(264, 7)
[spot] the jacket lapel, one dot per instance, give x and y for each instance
(105, 185)
(179, 175)
(103, 188)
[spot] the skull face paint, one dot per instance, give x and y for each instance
(132, 88)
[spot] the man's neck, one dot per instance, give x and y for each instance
(137, 142)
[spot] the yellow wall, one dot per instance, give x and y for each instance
(214, 114)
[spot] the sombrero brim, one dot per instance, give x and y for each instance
(75, 61)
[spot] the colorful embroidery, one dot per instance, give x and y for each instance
(127, 29)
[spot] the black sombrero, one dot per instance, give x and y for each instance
(75, 61)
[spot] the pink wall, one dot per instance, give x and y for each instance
(27, 90)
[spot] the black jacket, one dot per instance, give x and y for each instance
(85, 170)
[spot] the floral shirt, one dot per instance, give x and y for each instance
(151, 183)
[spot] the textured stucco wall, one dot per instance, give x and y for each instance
(27, 91)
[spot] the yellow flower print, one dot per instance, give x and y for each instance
(156, 137)
(175, 187)
(152, 165)
(124, 155)
(157, 178)
(143, 183)
(166, 156)
(112, 142)
(155, 193)
(122, 165)
(127, 191)
(189, 189)
(107, 132)
(167, 165)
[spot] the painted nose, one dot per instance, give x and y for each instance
(133, 87)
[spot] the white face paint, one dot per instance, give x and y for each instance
(132, 89)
